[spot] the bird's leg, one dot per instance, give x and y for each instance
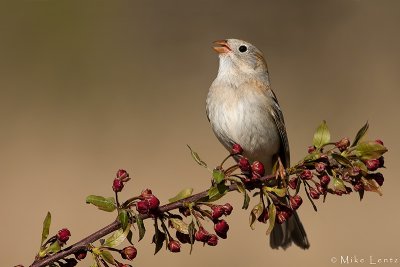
(281, 172)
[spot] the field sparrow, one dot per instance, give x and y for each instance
(243, 109)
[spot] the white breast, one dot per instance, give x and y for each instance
(241, 115)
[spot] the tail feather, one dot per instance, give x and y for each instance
(290, 231)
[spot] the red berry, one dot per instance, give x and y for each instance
(227, 209)
(263, 218)
(146, 192)
(343, 144)
(221, 228)
(378, 177)
(237, 149)
(293, 183)
(153, 202)
(122, 174)
(217, 211)
(118, 185)
(296, 202)
(282, 216)
(311, 149)
(213, 240)
(325, 180)
(202, 235)
(372, 164)
(358, 186)
(314, 194)
(80, 255)
(306, 175)
(321, 189)
(174, 246)
(379, 141)
(63, 235)
(381, 162)
(244, 164)
(142, 207)
(129, 253)
(258, 169)
(320, 167)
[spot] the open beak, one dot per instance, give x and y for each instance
(221, 46)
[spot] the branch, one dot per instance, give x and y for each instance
(82, 244)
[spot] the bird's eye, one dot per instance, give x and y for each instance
(242, 48)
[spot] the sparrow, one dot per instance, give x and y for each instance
(243, 109)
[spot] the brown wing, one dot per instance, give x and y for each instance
(284, 152)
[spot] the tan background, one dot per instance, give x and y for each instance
(87, 87)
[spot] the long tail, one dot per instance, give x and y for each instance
(290, 231)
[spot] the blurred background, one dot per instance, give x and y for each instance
(88, 87)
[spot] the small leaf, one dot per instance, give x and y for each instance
(106, 204)
(179, 225)
(46, 227)
(140, 224)
(117, 237)
(360, 134)
(312, 156)
(218, 176)
(361, 165)
(53, 248)
(321, 136)
(338, 185)
(369, 150)
(129, 237)
(280, 192)
(182, 194)
(271, 217)
(197, 158)
(246, 198)
(106, 255)
(216, 192)
(341, 160)
(192, 231)
(123, 218)
(371, 185)
(158, 239)
(255, 213)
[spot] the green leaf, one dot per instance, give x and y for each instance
(53, 248)
(255, 213)
(179, 225)
(158, 239)
(312, 156)
(216, 192)
(369, 150)
(129, 237)
(140, 224)
(106, 255)
(106, 204)
(280, 192)
(321, 135)
(218, 176)
(338, 185)
(197, 158)
(341, 160)
(271, 217)
(117, 237)
(123, 218)
(371, 185)
(46, 227)
(182, 194)
(361, 165)
(192, 231)
(360, 134)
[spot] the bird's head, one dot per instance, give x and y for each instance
(239, 56)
